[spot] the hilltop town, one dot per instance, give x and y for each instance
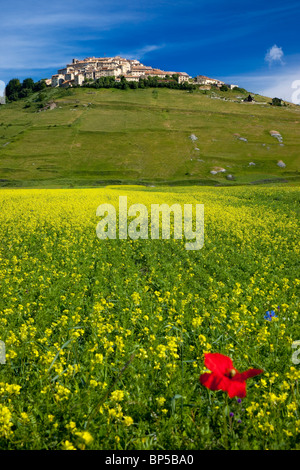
(93, 68)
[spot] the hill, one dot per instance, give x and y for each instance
(93, 137)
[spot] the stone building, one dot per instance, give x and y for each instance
(93, 68)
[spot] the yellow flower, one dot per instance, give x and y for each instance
(67, 445)
(160, 401)
(136, 298)
(93, 383)
(117, 395)
(85, 436)
(128, 421)
(24, 417)
(5, 421)
(71, 426)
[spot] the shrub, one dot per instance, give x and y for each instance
(224, 88)
(276, 102)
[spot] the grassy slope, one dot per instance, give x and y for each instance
(143, 136)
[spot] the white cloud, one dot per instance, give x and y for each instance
(32, 42)
(71, 20)
(21, 53)
(284, 83)
(142, 52)
(284, 86)
(275, 54)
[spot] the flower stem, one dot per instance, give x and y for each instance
(225, 424)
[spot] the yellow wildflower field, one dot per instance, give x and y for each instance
(105, 340)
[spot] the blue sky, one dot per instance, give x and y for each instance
(250, 43)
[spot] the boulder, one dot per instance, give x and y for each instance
(277, 135)
(218, 169)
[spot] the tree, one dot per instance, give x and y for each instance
(224, 88)
(28, 83)
(24, 92)
(13, 88)
(124, 83)
(14, 96)
(276, 102)
(38, 86)
(134, 85)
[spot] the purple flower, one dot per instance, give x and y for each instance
(269, 315)
(231, 414)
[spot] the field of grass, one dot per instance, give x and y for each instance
(105, 339)
(142, 136)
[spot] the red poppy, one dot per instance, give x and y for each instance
(224, 376)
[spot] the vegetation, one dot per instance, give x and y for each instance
(150, 82)
(240, 90)
(98, 136)
(276, 102)
(224, 88)
(105, 341)
(16, 90)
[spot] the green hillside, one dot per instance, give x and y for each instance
(143, 136)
